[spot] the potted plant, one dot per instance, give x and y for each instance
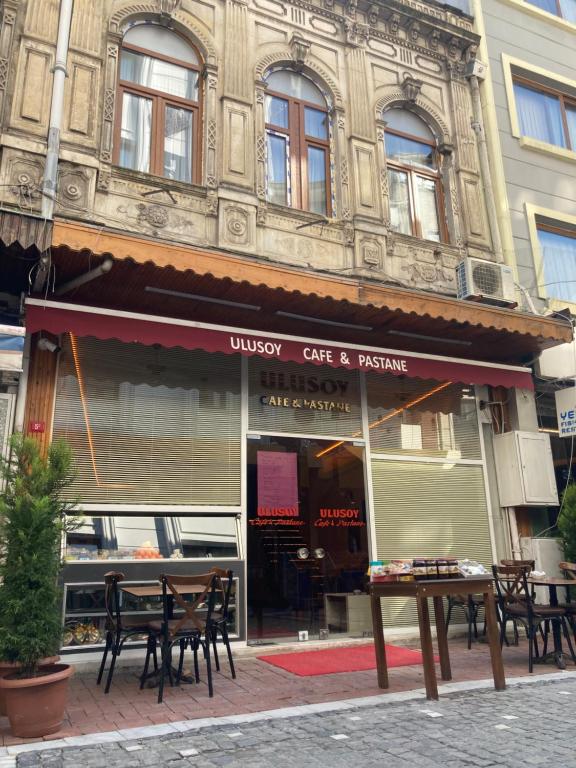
(34, 514)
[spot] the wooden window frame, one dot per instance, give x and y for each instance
(558, 13)
(562, 98)
(160, 101)
(298, 143)
(555, 230)
(432, 174)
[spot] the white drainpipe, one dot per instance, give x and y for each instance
(50, 179)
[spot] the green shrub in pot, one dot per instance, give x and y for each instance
(34, 514)
(567, 523)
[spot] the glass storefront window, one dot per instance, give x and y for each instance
(152, 537)
(422, 418)
(149, 424)
(304, 399)
(307, 533)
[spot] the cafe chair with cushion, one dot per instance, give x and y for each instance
(516, 604)
(119, 628)
(192, 626)
(221, 615)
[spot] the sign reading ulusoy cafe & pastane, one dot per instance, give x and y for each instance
(566, 411)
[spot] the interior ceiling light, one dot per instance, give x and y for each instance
(431, 338)
(207, 299)
(321, 321)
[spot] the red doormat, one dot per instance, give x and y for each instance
(347, 659)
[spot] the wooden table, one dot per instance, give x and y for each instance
(437, 590)
(553, 583)
(154, 590)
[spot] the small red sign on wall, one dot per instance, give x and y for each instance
(37, 426)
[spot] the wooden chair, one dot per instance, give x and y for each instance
(516, 604)
(189, 629)
(530, 565)
(221, 615)
(119, 628)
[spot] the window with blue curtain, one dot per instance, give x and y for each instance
(558, 253)
(565, 9)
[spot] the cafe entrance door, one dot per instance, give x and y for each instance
(307, 533)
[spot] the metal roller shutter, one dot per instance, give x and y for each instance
(150, 424)
(428, 510)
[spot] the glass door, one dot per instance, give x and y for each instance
(307, 533)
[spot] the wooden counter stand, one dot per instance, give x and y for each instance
(437, 590)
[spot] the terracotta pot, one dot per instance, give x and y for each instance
(7, 667)
(36, 705)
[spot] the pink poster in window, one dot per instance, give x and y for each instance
(277, 484)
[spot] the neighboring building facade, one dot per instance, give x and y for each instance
(246, 323)
(530, 109)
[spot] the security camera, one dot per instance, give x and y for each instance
(48, 346)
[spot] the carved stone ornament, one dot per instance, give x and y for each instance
(299, 49)
(453, 47)
(414, 32)
(236, 220)
(351, 7)
(373, 13)
(168, 7)
(371, 252)
(3, 73)
(261, 214)
(349, 234)
(211, 204)
(103, 181)
(329, 4)
(434, 40)
(356, 34)
(394, 24)
(154, 215)
(411, 88)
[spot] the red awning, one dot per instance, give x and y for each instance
(129, 327)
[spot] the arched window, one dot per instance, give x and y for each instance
(416, 201)
(158, 116)
(298, 161)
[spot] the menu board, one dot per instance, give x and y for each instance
(277, 483)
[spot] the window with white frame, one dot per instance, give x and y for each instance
(558, 254)
(545, 113)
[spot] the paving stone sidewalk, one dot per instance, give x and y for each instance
(525, 726)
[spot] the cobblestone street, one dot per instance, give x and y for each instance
(527, 725)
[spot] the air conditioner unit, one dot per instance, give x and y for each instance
(480, 280)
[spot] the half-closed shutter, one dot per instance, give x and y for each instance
(150, 424)
(428, 510)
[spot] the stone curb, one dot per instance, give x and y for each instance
(8, 754)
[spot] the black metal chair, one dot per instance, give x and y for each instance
(119, 628)
(516, 604)
(471, 605)
(221, 616)
(190, 629)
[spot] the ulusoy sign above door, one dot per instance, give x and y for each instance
(171, 332)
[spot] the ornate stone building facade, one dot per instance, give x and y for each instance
(239, 292)
(365, 58)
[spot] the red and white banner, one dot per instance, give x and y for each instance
(59, 318)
